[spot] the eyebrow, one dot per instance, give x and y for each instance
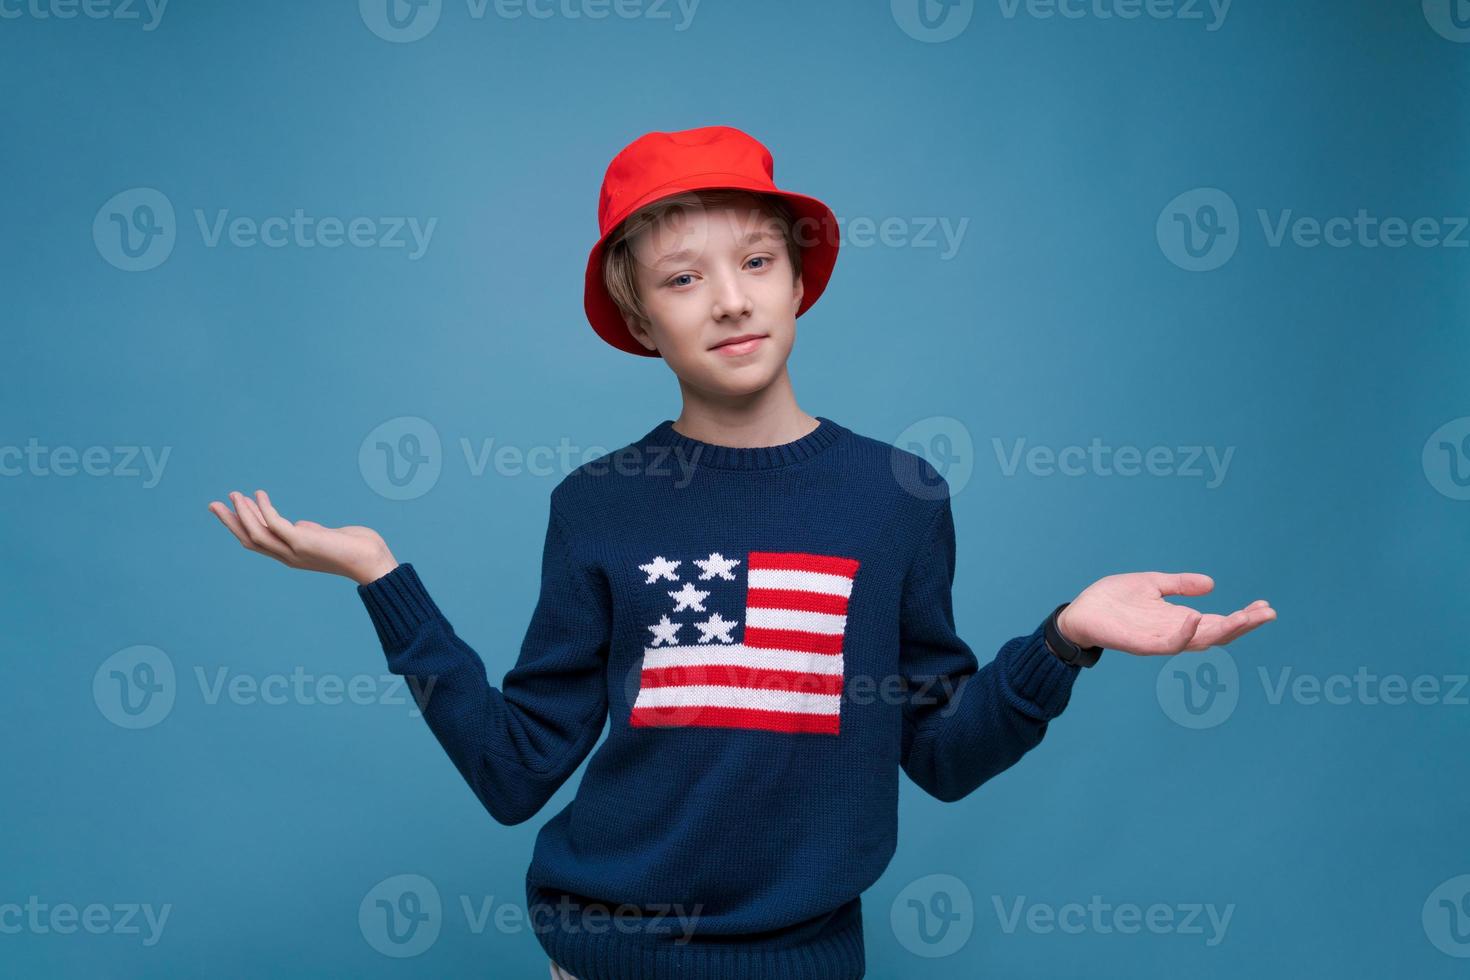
(746, 240)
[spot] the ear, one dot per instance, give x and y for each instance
(639, 329)
(799, 291)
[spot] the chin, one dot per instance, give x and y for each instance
(742, 379)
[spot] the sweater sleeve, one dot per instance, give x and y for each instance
(963, 725)
(515, 745)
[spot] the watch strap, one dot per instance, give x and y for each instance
(1064, 649)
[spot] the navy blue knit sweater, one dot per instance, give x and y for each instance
(769, 632)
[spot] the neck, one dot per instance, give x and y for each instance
(769, 417)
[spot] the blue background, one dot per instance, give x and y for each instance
(1060, 318)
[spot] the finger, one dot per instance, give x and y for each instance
(256, 528)
(1182, 583)
(1188, 630)
(228, 519)
(273, 520)
(1258, 617)
(1225, 629)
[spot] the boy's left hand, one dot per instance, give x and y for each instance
(1128, 612)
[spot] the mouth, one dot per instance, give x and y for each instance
(737, 346)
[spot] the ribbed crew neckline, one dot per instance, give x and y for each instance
(701, 453)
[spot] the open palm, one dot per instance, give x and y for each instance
(357, 552)
(1128, 612)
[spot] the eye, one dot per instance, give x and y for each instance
(675, 281)
(762, 258)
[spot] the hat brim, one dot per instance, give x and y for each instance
(818, 257)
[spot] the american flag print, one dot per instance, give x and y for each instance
(745, 642)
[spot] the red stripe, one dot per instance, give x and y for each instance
(817, 602)
(704, 716)
(757, 678)
(800, 561)
(799, 640)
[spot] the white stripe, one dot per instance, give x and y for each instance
(719, 696)
(740, 655)
(783, 578)
(795, 619)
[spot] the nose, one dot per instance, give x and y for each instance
(731, 299)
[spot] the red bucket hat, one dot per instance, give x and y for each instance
(659, 165)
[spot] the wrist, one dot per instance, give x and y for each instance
(1067, 647)
(373, 571)
(1069, 629)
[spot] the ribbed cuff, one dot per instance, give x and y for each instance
(1037, 680)
(398, 604)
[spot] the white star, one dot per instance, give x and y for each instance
(717, 564)
(660, 567)
(664, 631)
(716, 627)
(689, 598)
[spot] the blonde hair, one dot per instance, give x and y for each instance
(619, 267)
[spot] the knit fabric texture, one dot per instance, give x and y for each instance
(767, 636)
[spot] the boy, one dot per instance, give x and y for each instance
(758, 600)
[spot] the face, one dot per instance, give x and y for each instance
(709, 276)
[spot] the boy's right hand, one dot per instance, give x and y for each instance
(356, 552)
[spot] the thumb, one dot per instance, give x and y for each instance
(1183, 583)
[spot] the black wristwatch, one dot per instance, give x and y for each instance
(1065, 650)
